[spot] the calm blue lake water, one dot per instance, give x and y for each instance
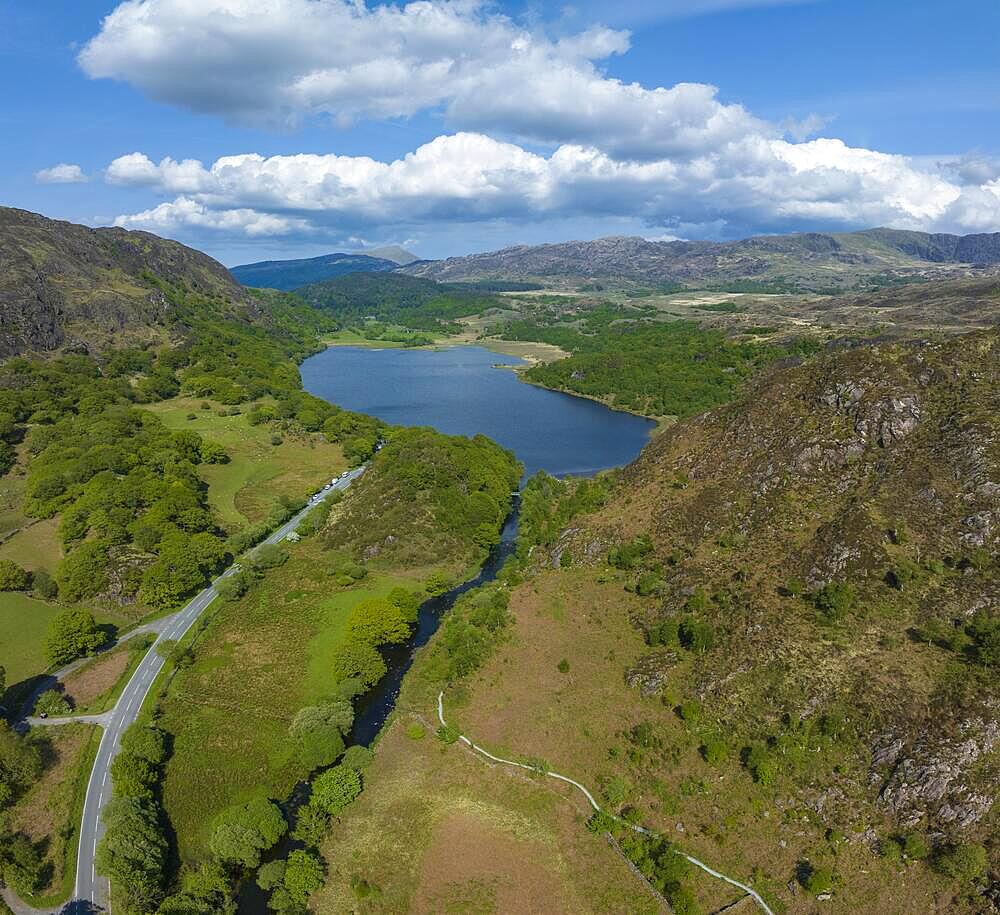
(458, 392)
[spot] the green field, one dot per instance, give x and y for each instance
(23, 621)
(258, 473)
(35, 547)
(11, 493)
(258, 662)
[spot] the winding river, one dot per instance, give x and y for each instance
(459, 391)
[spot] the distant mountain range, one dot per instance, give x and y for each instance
(291, 274)
(807, 260)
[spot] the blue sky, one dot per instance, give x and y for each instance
(475, 126)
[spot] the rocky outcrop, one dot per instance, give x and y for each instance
(932, 782)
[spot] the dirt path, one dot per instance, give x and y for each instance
(590, 799)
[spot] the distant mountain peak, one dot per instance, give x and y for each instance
(395, 253)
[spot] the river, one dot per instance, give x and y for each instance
(458, 391)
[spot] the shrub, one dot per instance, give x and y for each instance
(268, 556)
(915, 846)
(357, 757)
(690, 711)
(666, 633)
(963, 862)
(648, 583)
(714, 751)
(834, 600)
(53, 703)
(415, 731)
(563, 666)
(13, 577)
(448, 733)
(818, 880)
(696, 635)
(44, 585)
(761, 764)
(629, 555)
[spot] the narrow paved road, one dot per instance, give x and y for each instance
(91, 890)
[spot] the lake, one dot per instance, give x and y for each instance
(459, 392)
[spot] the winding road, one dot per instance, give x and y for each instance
(91, 891)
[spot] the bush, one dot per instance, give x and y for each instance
(448, 733)
(13, 577)
(834, 600)
(268, 556)
(44, 585)
(761, 764)
(563, 666)
(415, 731)
(915, 846)
(357, 757)
(666, 633)
(696, 635)
(963, 862)
(818, 880)
(690, 711)
(52, 703)
(714, 751)
(629, 555)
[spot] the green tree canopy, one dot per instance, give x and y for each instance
(72, 634)
(244, 832)
(133, 854)
(334, 789)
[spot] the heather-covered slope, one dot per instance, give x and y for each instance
(834, 534)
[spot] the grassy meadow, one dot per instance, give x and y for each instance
(23, 622)
(258, 473)
(259, 660)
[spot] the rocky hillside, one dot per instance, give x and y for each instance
(808, 260)
(821, 559)
(65, 285)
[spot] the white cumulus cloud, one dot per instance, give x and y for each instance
(470, 177)
(278, 61)
(63, 173)
(541, 131)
